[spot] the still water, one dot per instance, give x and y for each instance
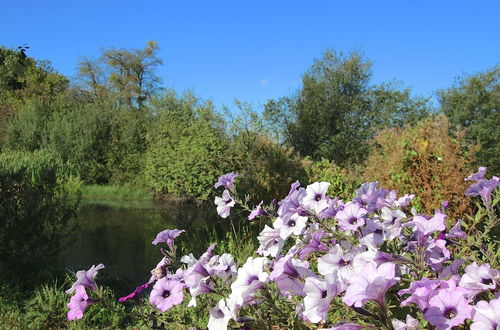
(119, 235)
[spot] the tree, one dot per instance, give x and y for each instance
(336, 111)
(187, 146)
(22, 79)
(473, 103)
(131, 74)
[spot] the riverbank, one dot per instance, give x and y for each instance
(95, 191)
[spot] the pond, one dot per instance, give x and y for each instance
(119, 235)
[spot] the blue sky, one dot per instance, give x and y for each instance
(257, 50)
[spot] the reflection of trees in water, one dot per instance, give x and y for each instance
(35, 214)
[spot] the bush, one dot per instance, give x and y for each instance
(186, 148)
(343, 182)
(422, 160)
(266, 168)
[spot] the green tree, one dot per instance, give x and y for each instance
(187, 147)
(336, 111)
(473, 103)
(129, 74)
(23, 79)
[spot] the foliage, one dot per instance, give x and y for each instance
(343, 182)
(129, 74)
(186, 147)
(472, 103)
(336, 110)
(423, 160)
(23, 78)
(36, 208)
(46, 308)
(369, 262)
(127, 146)
(266, 168)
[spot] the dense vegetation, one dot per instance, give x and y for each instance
(116, 126)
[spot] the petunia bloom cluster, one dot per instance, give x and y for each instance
(374, 255)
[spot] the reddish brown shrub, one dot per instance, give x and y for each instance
(423, 160)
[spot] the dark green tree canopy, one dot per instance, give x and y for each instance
(336, 111)
(473, 103)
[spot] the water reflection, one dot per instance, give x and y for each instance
(119, 235)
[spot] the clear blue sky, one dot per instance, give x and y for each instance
(256, 50)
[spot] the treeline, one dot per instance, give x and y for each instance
(116, 124)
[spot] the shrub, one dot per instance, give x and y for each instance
(266, 168)
(343, 182)
(186, 148)
(423, 160)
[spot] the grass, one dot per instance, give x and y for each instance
(112, 192)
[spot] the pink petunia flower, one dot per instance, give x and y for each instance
(448, 307)
(370, 283)
(226, 180)
(486, 315)
(86, 278)
(135, 293)
(351, 217)
(167, 236)
(78, 303)
(166, 294)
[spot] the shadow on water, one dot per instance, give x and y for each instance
(119, 235)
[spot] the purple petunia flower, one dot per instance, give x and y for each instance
(427, 227)
(295, 224)
(289, 274)
(436, 253)
(293, 202)
(486, 315)
(421, 291)
(86, 278)
(226, 180)
(370, 283)
(410, 324)
(224, 204)
(370, 197)
(167, 236)
(351, 217)
(314, 244)
(318, 295)
(402, 202)
(479, 278)
(251, 277)
(166, 294)
(135, 293)
(270, 242)
(477, 176)
(258, 211)
(220, 316)
(482, 187)
(448, 307)
(334, 205)
(78, 303)
(456, 231)
(315, 198)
